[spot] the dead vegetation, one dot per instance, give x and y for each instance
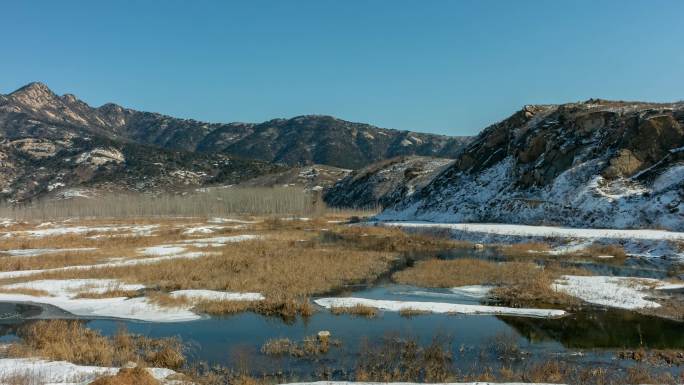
(356, 310)
(518, 283)
(64, 340)
(607, 253)
(409, 313)
(308, 347)
(128, 376)
(388, 239)
(667, 357)
(401, 360)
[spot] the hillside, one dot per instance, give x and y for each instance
(596, 164)
(60, 146)
(49, 147)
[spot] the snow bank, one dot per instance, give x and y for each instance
(71, 287)
(437, 307)
(544, 231)
(412, 383)
(63, 295)
(142, 230)
(618, 292)
(213, 295)
(162, 250)
(62, 372)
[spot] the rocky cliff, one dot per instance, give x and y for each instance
(597, 164)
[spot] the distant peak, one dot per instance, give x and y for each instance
(34, 94)
(34, 87)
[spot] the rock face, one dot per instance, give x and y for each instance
(595, 164)
(385, 183)
(50, 143)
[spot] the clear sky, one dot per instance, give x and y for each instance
(450, 67)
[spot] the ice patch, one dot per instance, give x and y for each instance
(619, 292)
(472, 291)
(162, 250)
(438, 307)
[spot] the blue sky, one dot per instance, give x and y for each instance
(450, 67)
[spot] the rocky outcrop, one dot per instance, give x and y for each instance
(385, 183)
(596, 164)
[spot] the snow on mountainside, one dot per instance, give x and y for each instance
(592, 164)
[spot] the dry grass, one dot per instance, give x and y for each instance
(528, 249)
(310, 346)
(125, 376)
(63, 340)
(654, 356)
(25, 291)
(278, 269)
(356, 310)
(115, 293)
(541, 251)
(408, 313)
(387, 239)
(519, 283)
(398, 360)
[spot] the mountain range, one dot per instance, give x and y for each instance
(49, 143)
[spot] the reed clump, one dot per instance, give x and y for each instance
(68, 340)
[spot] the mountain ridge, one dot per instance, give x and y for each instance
(300, 140)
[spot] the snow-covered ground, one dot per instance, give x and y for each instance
(39, 252)
(412, 383)
(114, 263)
(619, 292)
(132, 230)
(64, 295)
(544, 231)
(162, 252)
(437, 307)
(64, 373)
(643, 243)
(213, 295)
